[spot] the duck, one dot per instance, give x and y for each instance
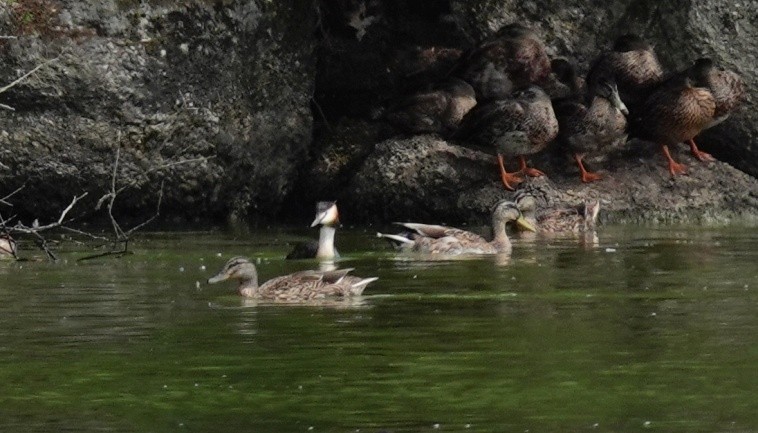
(438, 110)
(7, 247)
(677, 111)
(633, 64)
(511, 59)
(437, 239)
(520, 125)
(728, 91)
(563, 81)
(581, 219)
(593, 127)
(300, 286)
(327, 216)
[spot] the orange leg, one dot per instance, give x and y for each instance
(508, 178)
(529, 171)
(587, 177)
(674, 167)
(699, 154)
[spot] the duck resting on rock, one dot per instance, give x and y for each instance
(327, 216)
(678, 110)
(728, 92)
(511, 59)
(438, 110)
(518, 126)
(592, 128)
(300, 286)
(632, 63)
(436, 239)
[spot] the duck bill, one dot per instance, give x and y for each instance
(217, 278)
(526, 225)
(329, 217)
(619, 104)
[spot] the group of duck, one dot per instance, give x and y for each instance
(417, 238)
(507, 93)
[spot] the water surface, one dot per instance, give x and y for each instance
(655, 329)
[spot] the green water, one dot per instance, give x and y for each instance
(654, 330)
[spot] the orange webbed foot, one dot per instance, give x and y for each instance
(588, 177)
(677, 168)
(674, 167)
(529, 171)
(510, 179)
(699, 154)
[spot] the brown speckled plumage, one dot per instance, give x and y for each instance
(512, 59)
(521, 125)
(587, 129)
(439, 110)
(300, 286)
(632, 63)
(559, 220)
(7, 247)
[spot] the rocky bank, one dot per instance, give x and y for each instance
(254, 110)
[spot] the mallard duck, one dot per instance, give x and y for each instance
(513, 58)
(521, 125)
(563, 81)
(634, 66)
(584, 129)
(300, 286)
(436, 239)
(7, 247)
(437, 111)
(559, 220)
(677, 111)
(327, 216)
(728, 91)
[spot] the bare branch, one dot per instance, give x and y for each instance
(21, 228)
(4, 199)
(23, 77)
(7, 107)
(157, 212)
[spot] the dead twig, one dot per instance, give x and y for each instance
(23, 77)
(5, 199)
(36, 229)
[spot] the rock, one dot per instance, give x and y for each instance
(226, 86)
(424, 178)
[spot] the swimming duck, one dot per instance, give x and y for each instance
(512, 59)
(438, 110)
(300, 286)
(584, 129)
(436, 239)
(521, 125)
(634, 66)
(7, 247)
(677, 111)
(728, 91)
(559, 220)
(327, 216)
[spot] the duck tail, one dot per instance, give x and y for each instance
(395, 240)
(356, 289)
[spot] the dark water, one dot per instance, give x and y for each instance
(654, 330)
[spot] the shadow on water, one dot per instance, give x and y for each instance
(653, 329)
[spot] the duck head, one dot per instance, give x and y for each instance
(606, 88)
(236, 268)
(326, 214)
(506, 211)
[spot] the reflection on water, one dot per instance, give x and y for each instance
(650, 330)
